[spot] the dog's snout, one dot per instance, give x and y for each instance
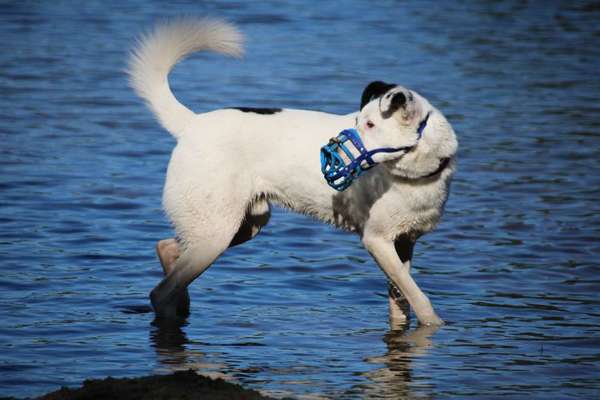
(398, 100)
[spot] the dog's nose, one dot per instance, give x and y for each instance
(398, 100)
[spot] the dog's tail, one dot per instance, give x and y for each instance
(159, 50)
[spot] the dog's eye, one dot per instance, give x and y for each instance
(370, 124)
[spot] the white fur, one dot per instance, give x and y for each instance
(158, 51)
(228, 166)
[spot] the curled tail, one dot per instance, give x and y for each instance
(159, 50)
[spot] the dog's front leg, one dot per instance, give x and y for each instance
(384, 253)
(398, 305)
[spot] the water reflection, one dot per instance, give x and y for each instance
(175, 351)
(170, 340)
(394, 380)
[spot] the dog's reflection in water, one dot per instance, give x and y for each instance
(175, 351)
(394, 379)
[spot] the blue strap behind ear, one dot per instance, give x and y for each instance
(422, 126)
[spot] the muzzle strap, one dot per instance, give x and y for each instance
(339, 172)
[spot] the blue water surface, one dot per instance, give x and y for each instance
(302, 309)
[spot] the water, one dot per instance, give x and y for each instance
(302, 309)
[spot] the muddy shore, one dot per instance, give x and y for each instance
(182, 385)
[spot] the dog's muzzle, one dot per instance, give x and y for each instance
(340, 171)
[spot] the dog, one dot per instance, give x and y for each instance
(230, 165)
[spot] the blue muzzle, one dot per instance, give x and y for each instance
(339, 173)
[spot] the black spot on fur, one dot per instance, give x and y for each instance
(262, 111)
(399, 99)
(396, 102)
(374, 90)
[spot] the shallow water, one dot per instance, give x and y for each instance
(302, 309)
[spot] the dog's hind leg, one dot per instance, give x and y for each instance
(205, 233)
(168, 252)
(389, 261)
(198, 254)
(173, 299)
(257, 216)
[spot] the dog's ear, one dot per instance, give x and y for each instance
(374, 90)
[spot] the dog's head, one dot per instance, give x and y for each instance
(390, 116)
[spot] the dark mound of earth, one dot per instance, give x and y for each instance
(183, 385)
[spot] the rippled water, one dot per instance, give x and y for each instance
(302, 309)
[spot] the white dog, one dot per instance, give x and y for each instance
(229, 165)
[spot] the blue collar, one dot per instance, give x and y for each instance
(340, 175)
